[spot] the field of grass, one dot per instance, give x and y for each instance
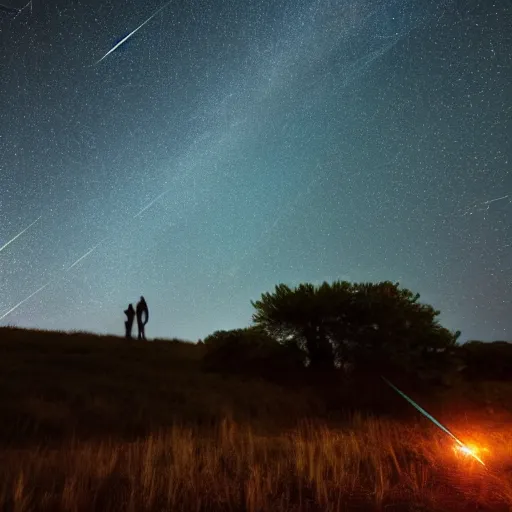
(99, 423)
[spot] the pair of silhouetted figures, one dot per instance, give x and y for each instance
(140, 311)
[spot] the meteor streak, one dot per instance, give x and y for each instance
(497, 199)
(462, 446)
(14, 308)
(11, 10)
(92, 249)
(487, 204)
(131, 34)
(18, 235)
(151, 203)
(24, 300)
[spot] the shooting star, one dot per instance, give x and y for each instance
(497, 199)
(486, 204)
(10, 10)
(15, 10)
(14, 308)
(131, 34)
(151, 203)
(461, 446)
(18, 235)
(92, 249)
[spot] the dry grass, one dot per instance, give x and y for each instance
(372, 464)
(93, 423)
(56, 385)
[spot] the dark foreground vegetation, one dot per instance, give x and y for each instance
(290, 414)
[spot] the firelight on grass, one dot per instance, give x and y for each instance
(469, 451)
(460, 445)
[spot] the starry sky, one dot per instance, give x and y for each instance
(228, 146)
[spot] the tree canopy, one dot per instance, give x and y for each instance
(357, 325)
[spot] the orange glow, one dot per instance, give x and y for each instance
(470, 451)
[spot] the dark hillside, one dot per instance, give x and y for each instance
(55, 385)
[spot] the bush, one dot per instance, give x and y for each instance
(251, 352)
(487, 360)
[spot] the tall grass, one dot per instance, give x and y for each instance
(90, 423)
(53, 385)
(370, 463)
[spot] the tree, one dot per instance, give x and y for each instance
(303, 317)
(366, 326)
(390, 329)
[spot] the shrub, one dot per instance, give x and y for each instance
(251, 352)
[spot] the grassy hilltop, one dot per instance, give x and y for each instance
(54, 384)
(101, 423)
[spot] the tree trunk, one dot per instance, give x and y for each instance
(319, 350)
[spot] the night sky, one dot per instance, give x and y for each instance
(231, 145)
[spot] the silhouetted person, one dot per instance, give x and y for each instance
(130, 313)
(142, 309)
